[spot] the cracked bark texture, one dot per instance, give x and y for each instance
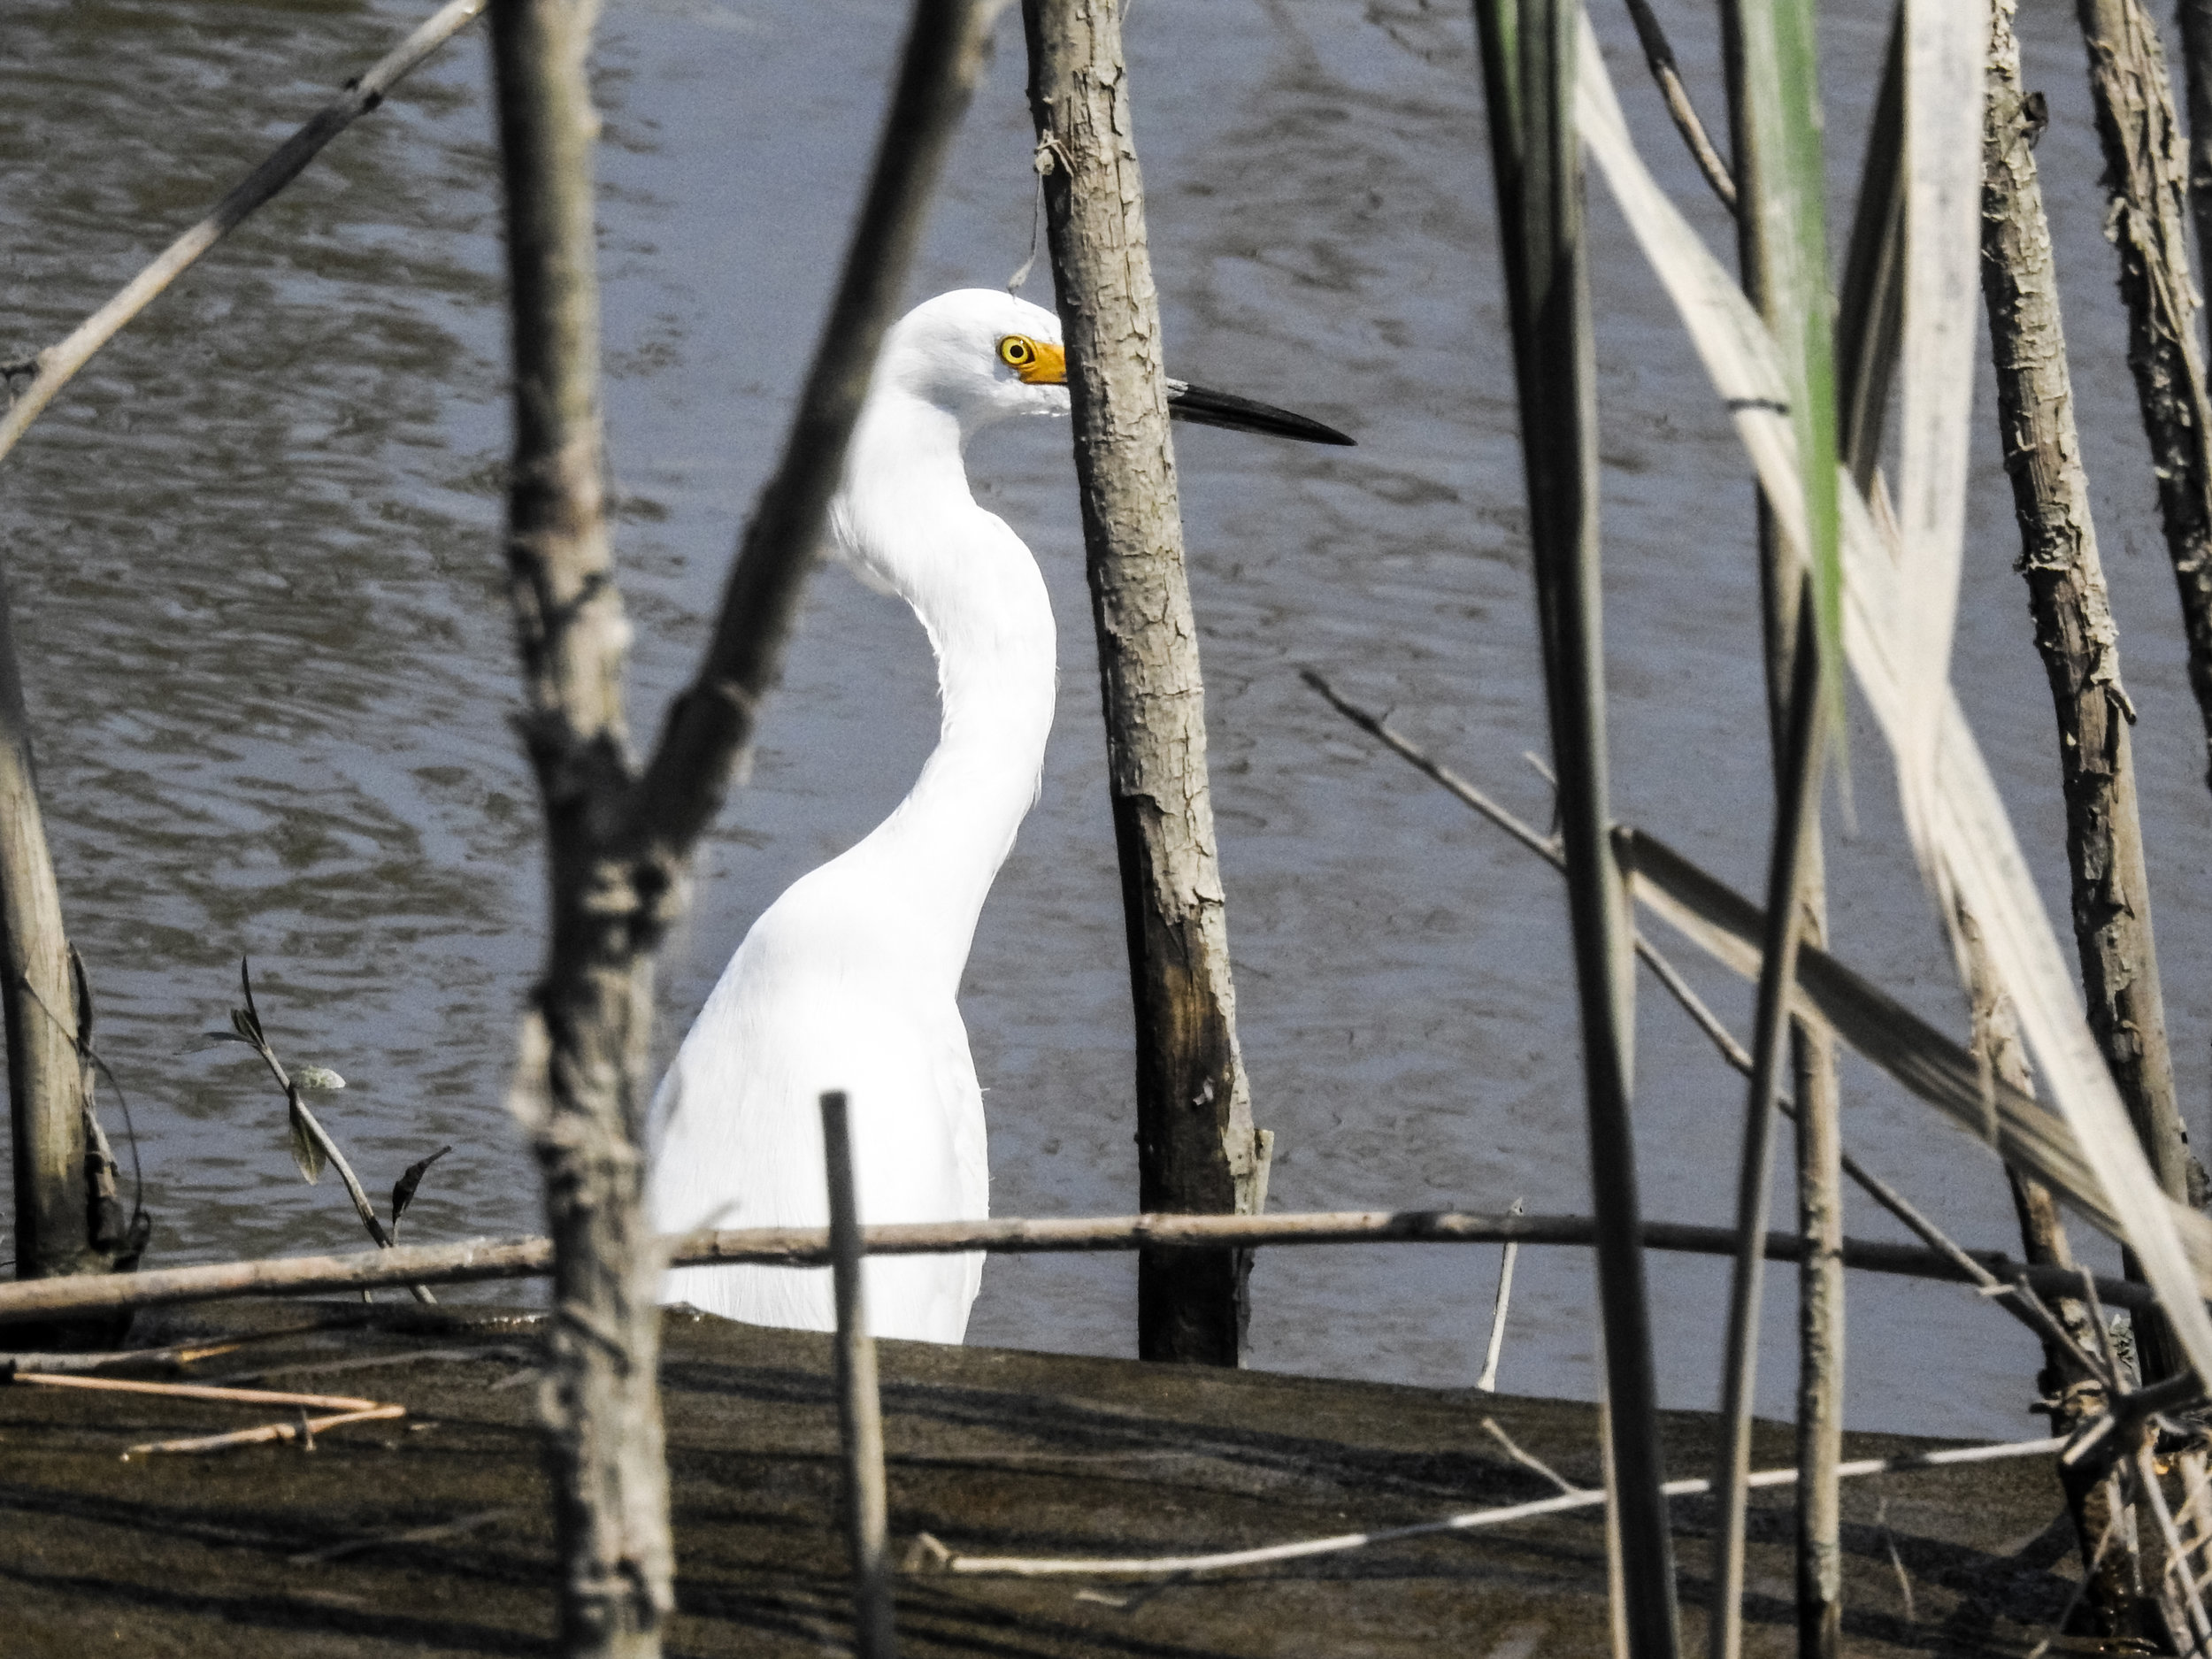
(2076, 637)
(2145, 222)
(586, 1046)
(1197, 1148)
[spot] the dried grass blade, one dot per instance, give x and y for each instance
(1529, 51)
(267, 1432)
(1971, 834)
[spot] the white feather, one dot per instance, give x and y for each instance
(850, 979)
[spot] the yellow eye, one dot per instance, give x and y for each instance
(1017, 352)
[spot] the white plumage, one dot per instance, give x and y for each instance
(850, 979)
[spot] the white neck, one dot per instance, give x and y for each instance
(906, 516)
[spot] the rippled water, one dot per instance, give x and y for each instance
(253, 556)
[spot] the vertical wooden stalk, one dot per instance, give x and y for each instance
(1820, 1323)
(2196, 61)
(859, 1403)
(2144, 171)
(2080, 643)
(1870, 323)
(2073, 619)
(1197, 1148)
(1796, 825)
(1775, 128)
(581, 1085)
(1528, 60)
(55, 1217)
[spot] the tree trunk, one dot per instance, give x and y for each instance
(1197, 1148)
(619, 839)
(2143, 155)
(61, 1226)
(586, 1047)
(2075, 632)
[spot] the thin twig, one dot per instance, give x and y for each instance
(60, 361)
(1659, 53)
(1527, 1460)
(1016, 1566)
(486, 1260)
(1488, 1381)
(2023, 1307)
(193, 1391)
(266, 1433)
(2196, 1629)
(181, 1354)
(410, 1535)
(859, 1404)
(1904, 1578)
(246, 1028)
(2081, 1585)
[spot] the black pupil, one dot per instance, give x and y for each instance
(1017, 352)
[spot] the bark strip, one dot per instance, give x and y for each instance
(2143, 179)
(1197, 1148)
(2078, 639)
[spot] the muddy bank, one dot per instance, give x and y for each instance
(430, 1534)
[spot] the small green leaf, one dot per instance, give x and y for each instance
(307, 1151)
(403, 1189)
(319, 1077)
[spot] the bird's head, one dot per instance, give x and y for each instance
(983, 355)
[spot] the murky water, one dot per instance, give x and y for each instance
(253, 556)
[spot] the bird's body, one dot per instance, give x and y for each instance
(850, 979)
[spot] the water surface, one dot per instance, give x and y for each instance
(253, 552)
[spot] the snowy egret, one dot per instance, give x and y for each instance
(850, 979)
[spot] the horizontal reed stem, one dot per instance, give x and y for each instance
(482, 1260)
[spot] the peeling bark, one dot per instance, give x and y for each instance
(2076, 637)
(2143, 179)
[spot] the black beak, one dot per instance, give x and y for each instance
(1202, 408)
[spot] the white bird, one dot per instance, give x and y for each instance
(850, 979)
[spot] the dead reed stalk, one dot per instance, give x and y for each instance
(1773, 103)
(1529, 50)
(489, 1260)
(859, 1404)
